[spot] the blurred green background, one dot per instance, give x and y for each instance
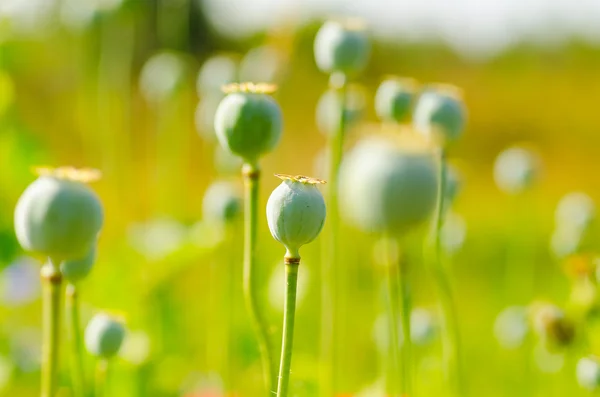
(72, 92)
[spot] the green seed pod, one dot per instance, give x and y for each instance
(248, 121)
(515, 170)
(511, 327)
(440, 114)
(104, 336)
(58, 215)
(222, 202)
(384, 188)
(393, 99)
(342, 47)
(328, 109)
(575, 210)
(75, 270)
(296, 212)
(552, 326)
(216, 72)
(588, 373)
(161, 76)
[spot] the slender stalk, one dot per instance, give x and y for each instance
(52, 283)
(74, 327)
(451, 335)
(251, 175)
(395, 362)
(289, 317)
(403, 281)
(102, 366)
(333, 278)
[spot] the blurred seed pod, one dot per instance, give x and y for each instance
(75, 270)
(20, 282)
(296, 212)
(216, 72)
(552, 326)
(222, 202)
(588, 373)
(58, 215)
(384, 188)
(575, 210)
(136, 348)
(453, 233)
(157, 238)
(342, 47)
(511, 327)
(104, 336)
(264, 63)
(328, 109)
(394, 99)
(565, 241)
(515, 170)
(249, 122)
(161, 76)
(440, 114)
(548, 360)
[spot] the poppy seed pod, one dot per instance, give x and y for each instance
(575, 210)
(329, 107)
(296, 212)
(222, 202)
(440, 114)
(161, 76)
(58, 215)
(74, 270)
(588, 373)
(104, 336)
(393, 99)
(342, 47)
(248, 121)
(515, 170)
(387, 188)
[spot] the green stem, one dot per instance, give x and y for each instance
(395, 363)
(251, 175)
(289, 317)
(333, 278)
(52, 282)
(451, 335)
(402, 272)
(74, 327)
(101, 378)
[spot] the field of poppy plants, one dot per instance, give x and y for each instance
(314, 211)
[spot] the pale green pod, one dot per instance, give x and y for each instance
(575, 210)
(394, 99)
(75, 270)
(104, 336)
(342, 47)
(248, 122)
(328, 111)
(58, 217)
(296, 212)
(588, 373)
(215, 72)
(384, 188)
(440, 114)
(161, 76)
(515, 170)
(222, 202)
(511, 327)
